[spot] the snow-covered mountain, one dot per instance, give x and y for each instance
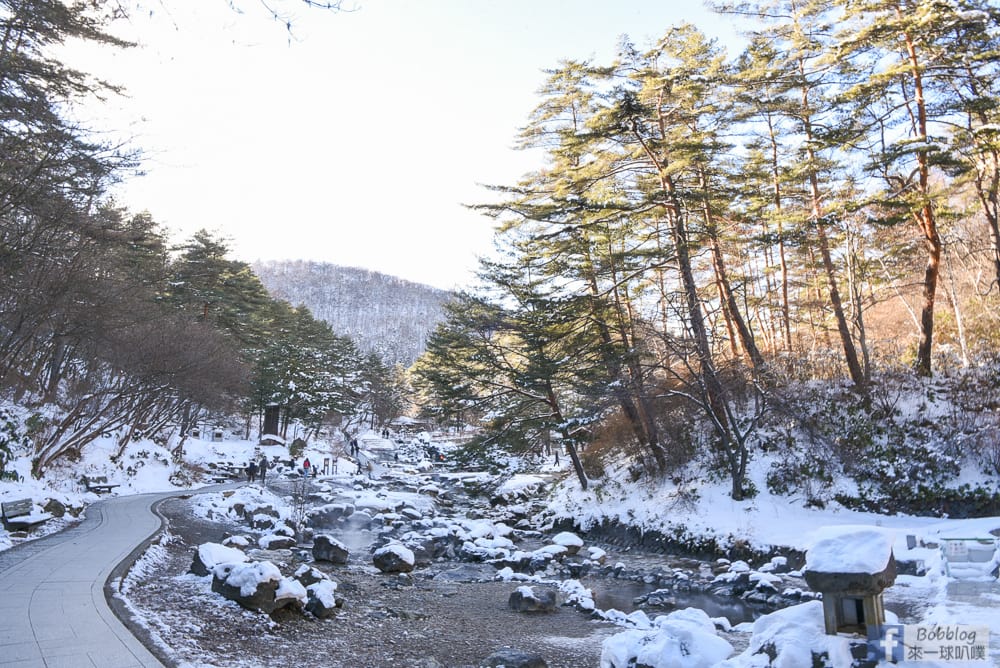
(381, 313)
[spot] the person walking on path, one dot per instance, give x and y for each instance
(252, 471)
(263, 470)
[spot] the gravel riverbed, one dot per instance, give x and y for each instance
(386, 620)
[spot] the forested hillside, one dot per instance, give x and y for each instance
(383, 314)
(710, 234)
(108, 326)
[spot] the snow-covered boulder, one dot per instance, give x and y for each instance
(394, 558)
(683, 639)
(327, 548)
(308, 575)
(237, 541)
(254, 585)
(273, 541)
(329, 515)
(569, 540)
(411, 513)
(290, 592)
(208, 555)
(263, 521)
(524, 599)
(577, 595)
(322, 599)
(553, 551)
(358, 521)
(518, 488)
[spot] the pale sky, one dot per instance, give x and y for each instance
(357, 141)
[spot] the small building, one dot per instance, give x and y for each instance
(851, 567)
(269, 432)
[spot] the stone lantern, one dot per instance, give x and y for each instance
(851, 567)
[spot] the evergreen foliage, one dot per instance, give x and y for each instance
(704, 227)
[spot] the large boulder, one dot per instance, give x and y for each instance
(253, 585)
(208, 555)
(290, 593)
(569, 540)
(308, 575)
(327, 548)
(524, 599)
(322, 599)
(54, 507)
(275, 542)
(329, 515)
(394, 558)
(263, 522)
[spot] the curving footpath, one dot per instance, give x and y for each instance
(53, 610)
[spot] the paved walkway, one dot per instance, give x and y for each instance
(52, 606)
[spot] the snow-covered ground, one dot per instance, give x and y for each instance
(684, 638)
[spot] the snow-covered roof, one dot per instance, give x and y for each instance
(850, 549)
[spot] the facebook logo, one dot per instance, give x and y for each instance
(886, 643)
(944, 643)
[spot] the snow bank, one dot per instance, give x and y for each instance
(683, 639)
(792, 636)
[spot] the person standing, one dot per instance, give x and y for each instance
(252, 471)
(263, 470)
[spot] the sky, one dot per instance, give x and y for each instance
(358, 137)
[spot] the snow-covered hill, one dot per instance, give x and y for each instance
(382, 313)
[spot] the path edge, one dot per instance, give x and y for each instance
(118, 606)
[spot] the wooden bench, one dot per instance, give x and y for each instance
(97, 483)
(21, 514)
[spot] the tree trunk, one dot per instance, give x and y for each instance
(925, 216)
(730, 306)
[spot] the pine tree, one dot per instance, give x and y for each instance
(891, 51)
(787, 58)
